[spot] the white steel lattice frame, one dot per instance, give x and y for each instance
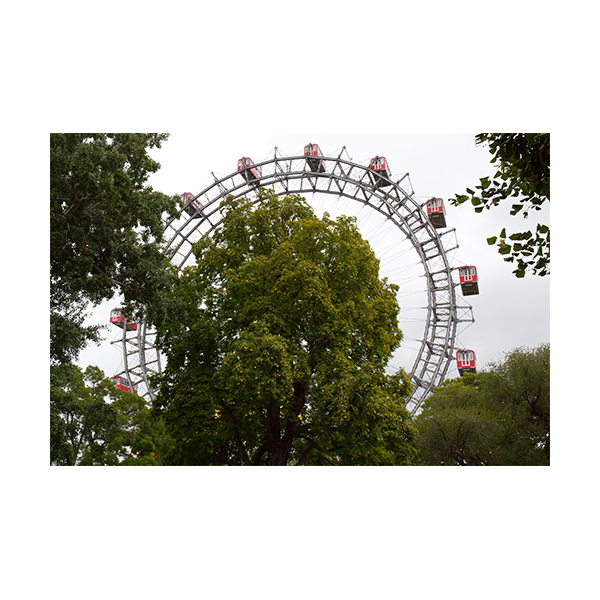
(141, 358)
(342, 178)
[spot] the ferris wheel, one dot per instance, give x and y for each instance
(419, 224)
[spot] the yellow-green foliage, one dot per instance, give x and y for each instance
(278, 344)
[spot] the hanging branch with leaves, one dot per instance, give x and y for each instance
(523, 175)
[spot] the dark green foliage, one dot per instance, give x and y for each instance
(500, 416)
(523, 175)
(68, 335)
(277, 345)
(105, 229)
(93, 423)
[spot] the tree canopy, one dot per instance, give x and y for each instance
(500, 416)
(277, 343)
(105, 230)
(522, 176)
(94, 423)
(106, 226)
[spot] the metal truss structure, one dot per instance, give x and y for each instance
(341, 177)
(141, 358)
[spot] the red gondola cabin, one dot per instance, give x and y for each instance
(468, 281)
(465, 362)
(190, 206)
(249, 171)
(436, 212)
(121, 383)
(313, 154)
(117, 318)
(382, 176)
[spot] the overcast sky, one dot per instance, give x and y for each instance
(508, 312)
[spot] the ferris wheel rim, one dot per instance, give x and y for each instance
(396, 204)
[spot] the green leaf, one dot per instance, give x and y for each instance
(504, 249)
(516, 208)
(503, 233)
(492, 240)
(460, 199)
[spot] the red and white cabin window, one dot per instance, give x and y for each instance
(465, 358)
(381, 172)
(117, 318)
(466, 362)
(469, 281)
(312, 150)
(313, 154)
(190, 206)
(121, 383)
(249, 171)
(435, 205)
(467, 274)
(379, 164)
(436, 212)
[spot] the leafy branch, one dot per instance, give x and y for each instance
(523, 176)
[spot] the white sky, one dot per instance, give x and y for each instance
(509, 312)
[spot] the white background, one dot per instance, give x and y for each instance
(232, 72)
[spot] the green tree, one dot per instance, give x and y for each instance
(278, 342)
(522, 176)
(93, 423)
(457, 425)
(106, 230)
(500, 416)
